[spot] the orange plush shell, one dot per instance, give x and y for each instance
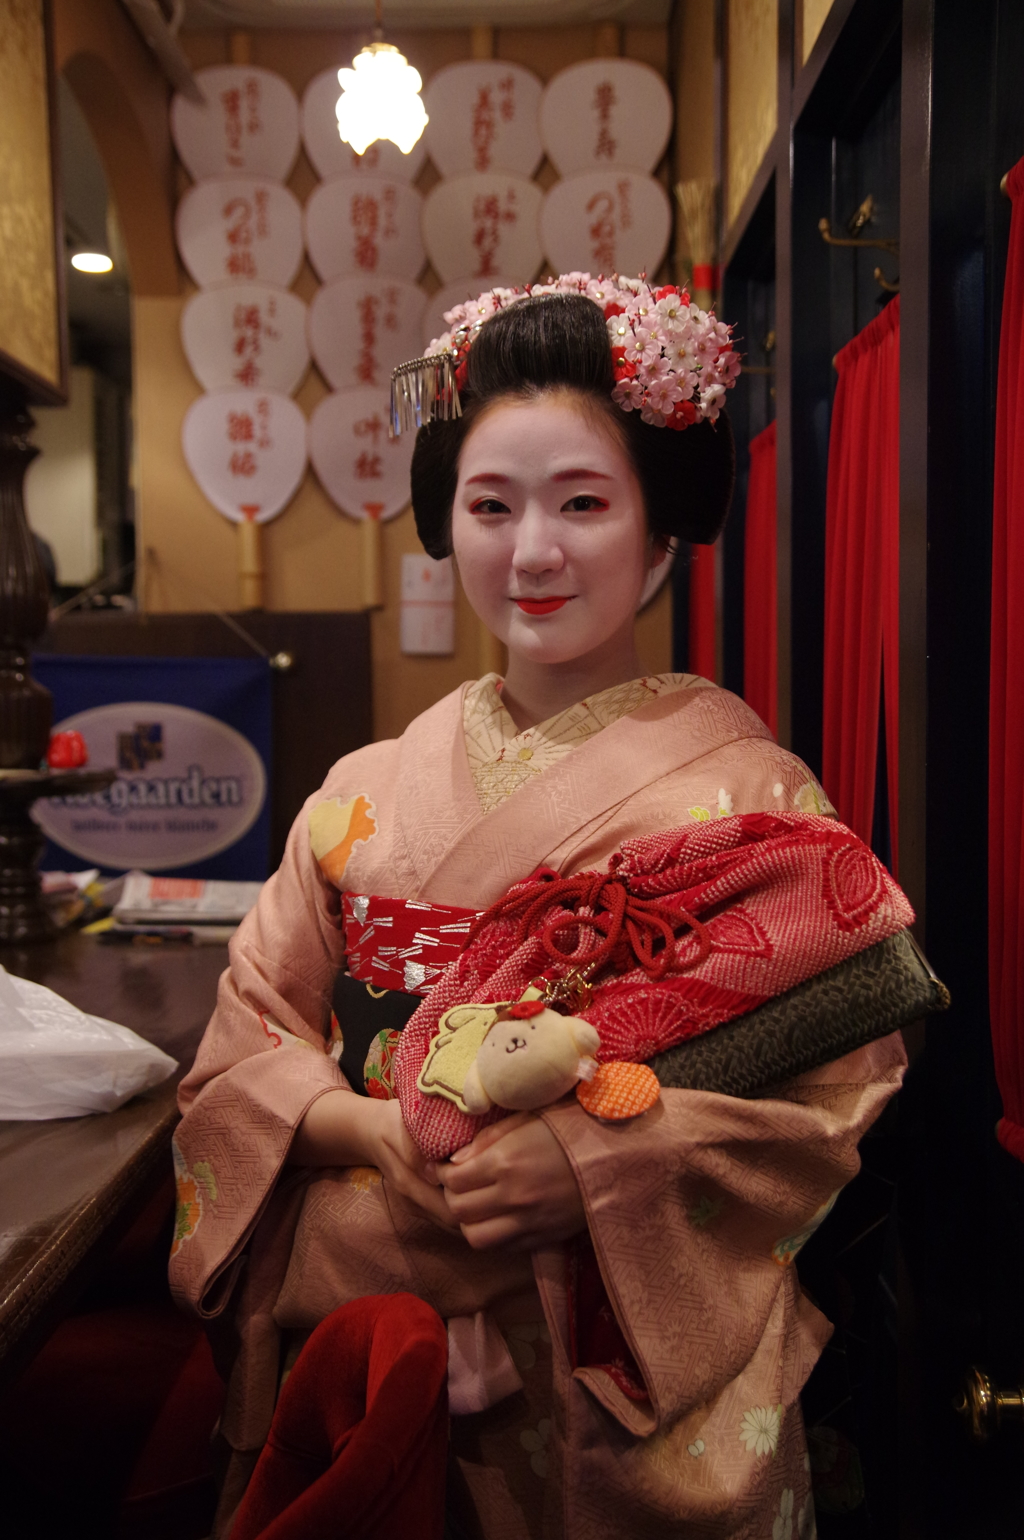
(619, 1090)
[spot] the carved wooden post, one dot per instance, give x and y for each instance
(26, 708)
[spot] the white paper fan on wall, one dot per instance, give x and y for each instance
(605, 112)
(363, 472)
(606, 222)
(486, 225)
(483, 117)
(240, 230)
(246, 336)
(364, 225)
(331, 156)
(360, 328)
(246, 450)
(248, 125)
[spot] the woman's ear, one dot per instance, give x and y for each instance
(659, 551)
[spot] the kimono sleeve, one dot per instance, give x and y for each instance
(262, 1062)
(696, 1211)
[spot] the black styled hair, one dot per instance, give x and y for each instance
(560, 341)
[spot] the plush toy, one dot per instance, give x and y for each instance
(522, 1056)
(529, 1058)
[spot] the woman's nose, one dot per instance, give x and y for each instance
(537, 546)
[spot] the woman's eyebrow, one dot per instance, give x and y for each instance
(577, 473)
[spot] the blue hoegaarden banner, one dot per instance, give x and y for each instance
(190, 739)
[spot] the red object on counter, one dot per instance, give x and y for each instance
(67, 751)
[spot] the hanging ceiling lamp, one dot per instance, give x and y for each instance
(380, 97)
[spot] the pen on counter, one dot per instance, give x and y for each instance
(151, 935)
(127, 935)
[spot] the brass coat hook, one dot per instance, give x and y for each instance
(983, 1407)
(881, 244)
(883, 283)
(863, 216)
(767, 348)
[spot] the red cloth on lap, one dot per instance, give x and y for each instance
(358, 1445)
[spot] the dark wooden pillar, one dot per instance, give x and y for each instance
(25, 706)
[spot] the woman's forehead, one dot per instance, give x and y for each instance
(554, 438)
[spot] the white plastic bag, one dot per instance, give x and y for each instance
(57, 1062)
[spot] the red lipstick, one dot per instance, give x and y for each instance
(542, 606)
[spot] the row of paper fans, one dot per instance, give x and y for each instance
(603, 124)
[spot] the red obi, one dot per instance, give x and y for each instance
(395, 943)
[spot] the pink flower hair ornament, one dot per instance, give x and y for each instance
(673, 362)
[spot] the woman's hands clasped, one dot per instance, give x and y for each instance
(343, 1129)
(513, 1187)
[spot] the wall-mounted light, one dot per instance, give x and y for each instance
(92, 262)
(380, 97)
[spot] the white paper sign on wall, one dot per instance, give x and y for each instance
(427, 609)
(204, 792)
(246, 450)
(249, 124)
(605, 112)
(246, 336)
(360, 328)
(364, 225)
(483, 117)
(363, 472)
(484, 226)
(239, 230)
(606, 222)
(331, 156)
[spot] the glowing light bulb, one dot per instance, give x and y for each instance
(380, 100)
(92, 262)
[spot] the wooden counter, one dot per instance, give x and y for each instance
(69, 1187)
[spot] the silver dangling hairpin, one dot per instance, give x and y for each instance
(422, 391)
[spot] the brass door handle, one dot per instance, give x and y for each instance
(982, 1406)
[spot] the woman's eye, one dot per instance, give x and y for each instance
(584, 503)
(489, 505)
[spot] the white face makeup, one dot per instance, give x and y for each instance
(549, 531)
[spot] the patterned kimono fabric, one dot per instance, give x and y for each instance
(695, 1211)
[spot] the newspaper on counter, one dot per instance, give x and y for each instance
(150, 900)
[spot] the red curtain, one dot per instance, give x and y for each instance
(1006, 697)
(703, 649)
(862, 574)
(760, 594)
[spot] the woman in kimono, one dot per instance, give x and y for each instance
(627, 1338)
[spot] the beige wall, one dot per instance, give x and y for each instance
(751, 94)
(810, 18)
(60, 486)
(188, 552)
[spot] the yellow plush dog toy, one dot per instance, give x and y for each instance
(523, 1056)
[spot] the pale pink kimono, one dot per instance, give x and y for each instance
(696, 1210)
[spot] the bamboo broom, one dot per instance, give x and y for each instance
(698, 200)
